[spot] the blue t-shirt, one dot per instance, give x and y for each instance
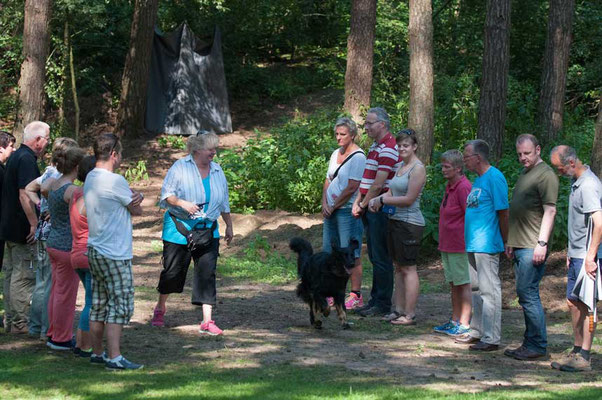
(489, 194)
(170, 232)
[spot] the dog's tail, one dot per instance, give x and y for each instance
(303, 248)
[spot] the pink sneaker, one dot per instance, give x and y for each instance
(353, 301)
(210, 328)
(330, 301)
(158, 318)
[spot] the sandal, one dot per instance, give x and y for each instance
(391, 316)
(404, 320)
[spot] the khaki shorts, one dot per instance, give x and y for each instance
(455, 268)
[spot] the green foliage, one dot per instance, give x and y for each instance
(284, 170)
(137, 172)
(173, 141)
(261, 263)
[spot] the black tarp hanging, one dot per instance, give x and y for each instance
(187, 88)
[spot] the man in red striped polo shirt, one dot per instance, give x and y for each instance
(380, 168)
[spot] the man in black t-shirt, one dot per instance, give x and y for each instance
(7, 141)
(18, 221)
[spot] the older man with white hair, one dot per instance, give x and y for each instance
(18, 225)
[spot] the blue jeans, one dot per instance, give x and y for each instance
(528, 277)
(375, 225)
(38, 313)
(341, 227)
(86, 277)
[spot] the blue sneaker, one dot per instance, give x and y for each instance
(445, 327)
(121, 364)
(458, 330)
(99, 359)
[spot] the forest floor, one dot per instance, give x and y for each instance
(266, 326)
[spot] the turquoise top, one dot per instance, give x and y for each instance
(170, 232)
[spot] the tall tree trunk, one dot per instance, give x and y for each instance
(33, 69)
(555, 66)
(494, 79)
(422, 108)
(597, 148)
(73, 81)
(360, 52)
(130, 116)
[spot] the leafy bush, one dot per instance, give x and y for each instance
(284, 170)
(137, 172)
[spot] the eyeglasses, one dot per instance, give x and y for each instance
(408, 132)
(114, 147)
(368, 123)
(202, 132)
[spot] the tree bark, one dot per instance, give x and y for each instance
(360, 52)
(597, 147)
(33, 69)
(422, 108)
(73, 80)
(494, 79)
(130, 116)
(555, 66)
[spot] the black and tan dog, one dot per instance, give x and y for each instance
(323, 275)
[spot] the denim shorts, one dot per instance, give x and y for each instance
(342, 226)
(575, 265)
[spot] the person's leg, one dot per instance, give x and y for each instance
(98, 309)
(7, 268)
(411, 289)
(464, 300)
(578, 319)
(37, 297)
(491, 293)
(65, 295)
(207, 310)
(21, 286)
(97, 330)
(528, 277)
(203, 285)
(120, 303)
(455, 300)
(84, 340)
(398, 295)
(114, 339)
(347, 229)
(176, 260)
(382, 282)
(476, 323)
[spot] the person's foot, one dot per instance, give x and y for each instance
(121, 363)
(458, 330)
(467, 339)
(158, 318)
(82, 353)
(482, 346)
(404, 320)
(576, 364)
(209, 328)
(99, 359)
(525, 354)
(353, 301)
(61, 346)
(511, 352)
(391, 316)
(444, 328)
(18, 331)
(363, 308)
(372, 312)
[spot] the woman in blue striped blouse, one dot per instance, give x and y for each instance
(195, 192)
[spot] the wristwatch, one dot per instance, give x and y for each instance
(542, 243)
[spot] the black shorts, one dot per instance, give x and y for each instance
(403, 242)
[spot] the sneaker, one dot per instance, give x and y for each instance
(61, 346)
(444, 328)
(372, 312)
(565, 359)
(210, 328)
(330, 301)
(458, 330)
(99, 359)
(353, 301)
(121, 364)
(158, 318)
(467, 338)
(82, 353)
(577, 363)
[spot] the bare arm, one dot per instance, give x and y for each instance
(135, 207)
(415, 185)
(545, 231)
(326, 211)
(30, 213)
(503, 218)
(45, 188)
(229, 230)
(591, 266)
(346, 194)
(32, 190)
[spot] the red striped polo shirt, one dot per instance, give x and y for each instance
(383, 156)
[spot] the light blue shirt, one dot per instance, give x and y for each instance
(170, 232)
(489, 195)
(184, 181)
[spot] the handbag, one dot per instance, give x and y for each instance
(198, 240)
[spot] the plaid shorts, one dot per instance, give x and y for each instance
(112, 289)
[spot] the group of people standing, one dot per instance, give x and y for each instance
(380, 194)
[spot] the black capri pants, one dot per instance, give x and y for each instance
(176, 259)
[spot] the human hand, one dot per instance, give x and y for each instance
(591, 268)
(326, 210)
(229, 234)
(137, 198)
(189, 207)
(375, 204)
(568, 262)
(509, 252)
(31, 237)
(356, 210)
(539, 254)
